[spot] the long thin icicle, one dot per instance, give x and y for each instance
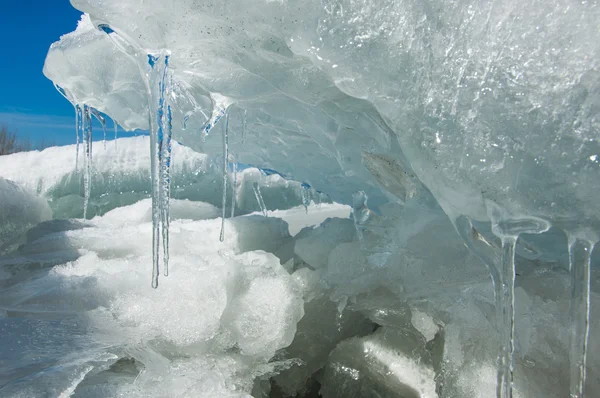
(78, 128)
(166, 188)
(234, 187)
(116, 126)
(305, 196)
(580, 251)
(225, 161)
(102, 121)
(259, 199)
(87, 161)
(506, 360)
(244, 127)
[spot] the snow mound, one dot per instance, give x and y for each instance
(121, 177)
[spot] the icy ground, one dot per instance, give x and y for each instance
(293, 303)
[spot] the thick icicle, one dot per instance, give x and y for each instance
(158, 158)
(225, 161)
(580, 251)
(102, 121)
(508, 229)
(87, 161)
(234, 187)
(155, 86)
(259, 199)
(305, 196)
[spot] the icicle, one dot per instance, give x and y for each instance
(225, 161)
(580, 251)
(87, 162)
(102, 121)
(160, 158)
(341, 306)
(116, 126)
(488, 253)
(166, 188)
(155, 88)
(259, 199)
(360, 211)
(217, 115)
(185, 120)
(244, 127)
(507, 350)
(234, 187)
(305, 196)
(508, 229)
(78, 129)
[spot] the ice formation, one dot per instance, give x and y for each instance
(464, 135)
(21, 209)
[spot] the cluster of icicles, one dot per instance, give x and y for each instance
(500, 261)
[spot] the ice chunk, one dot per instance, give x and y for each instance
(315, 246)
(424, 323)
(319, 331)
(384, 364)
(298, 219)
(259, 233)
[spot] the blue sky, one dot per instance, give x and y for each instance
(29, 103)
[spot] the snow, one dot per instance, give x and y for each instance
(219, 295)
(121, 176)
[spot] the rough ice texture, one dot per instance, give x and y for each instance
(500, 107)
